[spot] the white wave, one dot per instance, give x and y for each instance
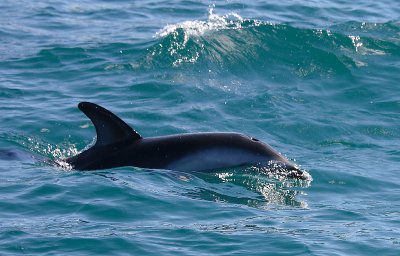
(214, 22)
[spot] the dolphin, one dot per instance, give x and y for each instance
(118, 145)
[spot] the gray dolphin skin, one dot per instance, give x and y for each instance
(119, 145)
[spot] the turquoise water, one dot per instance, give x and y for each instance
(317, 80)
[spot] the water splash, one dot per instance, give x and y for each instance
(252, 188)
(55, 153)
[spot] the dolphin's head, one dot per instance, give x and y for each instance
(274, 160)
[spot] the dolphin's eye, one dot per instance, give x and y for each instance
(254, 139)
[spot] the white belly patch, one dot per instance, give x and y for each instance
(216, 158)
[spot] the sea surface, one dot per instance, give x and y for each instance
(317, 80)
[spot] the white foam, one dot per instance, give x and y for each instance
(214, 22)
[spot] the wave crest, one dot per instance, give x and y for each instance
(235, 44)
(215, 22)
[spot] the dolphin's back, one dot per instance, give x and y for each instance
(199, 152)
(119, 145)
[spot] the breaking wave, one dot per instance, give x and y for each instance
(230, 43)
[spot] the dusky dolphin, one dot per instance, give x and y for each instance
(118, 145)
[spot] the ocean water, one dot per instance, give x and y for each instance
(317, 80)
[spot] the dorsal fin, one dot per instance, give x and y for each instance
(110, 128)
